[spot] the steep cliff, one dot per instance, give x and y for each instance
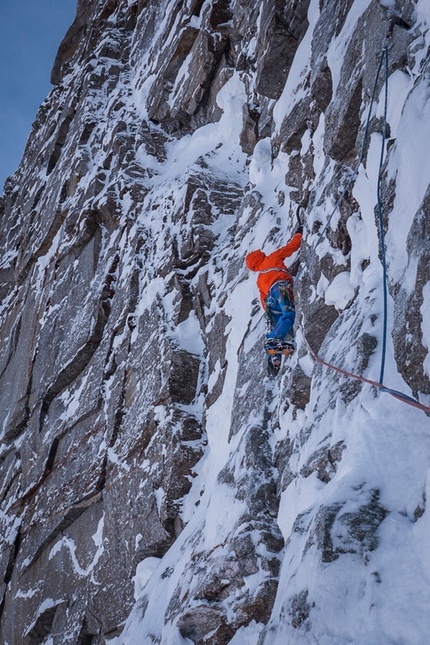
(156, 486)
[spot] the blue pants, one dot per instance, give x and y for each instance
(280, 311)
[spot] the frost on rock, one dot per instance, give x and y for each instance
(155, 485)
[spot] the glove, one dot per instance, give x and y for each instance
(300, 229)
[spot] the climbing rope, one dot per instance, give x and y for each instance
(383, 61)
(398, 395)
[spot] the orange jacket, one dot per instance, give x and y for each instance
(259, 261)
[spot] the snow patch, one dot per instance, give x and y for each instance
(340, 292)
(69, 543)
(144, 571)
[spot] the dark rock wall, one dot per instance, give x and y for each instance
(110, 264)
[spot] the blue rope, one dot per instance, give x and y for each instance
(400, 395)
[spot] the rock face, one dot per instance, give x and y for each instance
(138, 426)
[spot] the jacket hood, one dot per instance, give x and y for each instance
(254, 260)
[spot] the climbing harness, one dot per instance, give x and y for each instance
(276, 269)
(383, 61)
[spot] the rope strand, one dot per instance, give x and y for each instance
(398, 395)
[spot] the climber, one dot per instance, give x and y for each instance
(276, 293)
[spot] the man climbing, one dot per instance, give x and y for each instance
(276, 293)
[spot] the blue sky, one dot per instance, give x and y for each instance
(30, 33)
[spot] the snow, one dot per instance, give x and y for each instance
(144, 571)
(361, 249)
(214, 375)
(339, 292)
(341, 42)
(294, 90)
(260, 166)
(425, 325)
(400, 84)
(184, 152)
(381, 596)
(386, 440)
(48, 603)
(71, 399)
(114, 459)
(69, 543)
(188, 335)
(28, 594)
(410, 164)
(247, 635)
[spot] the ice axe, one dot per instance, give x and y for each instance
(396, 20)
(299, 220)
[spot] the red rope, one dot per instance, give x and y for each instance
(383, 388)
